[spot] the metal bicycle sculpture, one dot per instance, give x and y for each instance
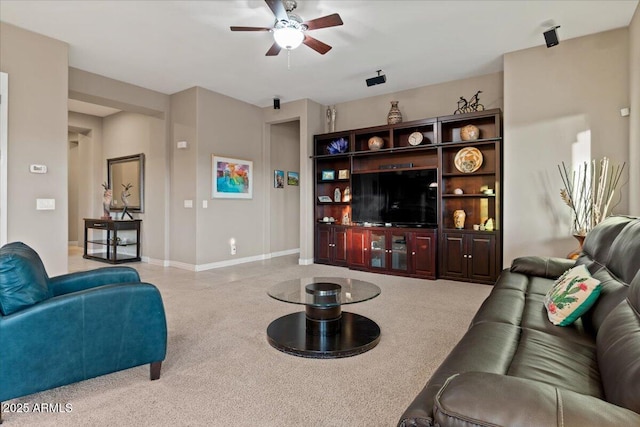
(470, 106)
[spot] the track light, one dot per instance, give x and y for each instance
(551, 37)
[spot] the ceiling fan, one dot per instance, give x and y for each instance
(289, 29)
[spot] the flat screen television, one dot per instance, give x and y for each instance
(402, 198)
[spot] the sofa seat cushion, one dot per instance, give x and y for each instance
(535, 317)
(558, 362)
(486, 347)
(23, 278)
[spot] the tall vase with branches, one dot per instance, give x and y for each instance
(588, 191)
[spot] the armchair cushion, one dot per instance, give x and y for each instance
(23, 278)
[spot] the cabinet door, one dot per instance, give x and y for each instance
(323, 238)
(481, 257)
(398, 249)
(339, 246)
(378, 250)
(358, 248)
(423, 254)
(454, 256)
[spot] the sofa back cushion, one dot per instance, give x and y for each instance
(23, 278)
(618, 349)
(611, 253)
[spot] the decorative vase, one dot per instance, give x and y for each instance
(469, 133)
(458, 218)
(394, 116)
(337, 196)
(575, 254)
(106, 202)
(375, 143)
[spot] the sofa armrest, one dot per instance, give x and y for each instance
(547, 267)
(479, 398)
(81, 335)
(81, 280)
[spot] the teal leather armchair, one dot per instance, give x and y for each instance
(60, 330)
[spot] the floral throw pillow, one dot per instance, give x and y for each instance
(571, 296)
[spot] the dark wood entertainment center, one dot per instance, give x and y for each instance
(471, 253)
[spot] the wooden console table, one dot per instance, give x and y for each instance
(103, 233)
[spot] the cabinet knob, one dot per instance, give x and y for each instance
(469, 256)
(413, 253)
(365, 249)
(464, 256)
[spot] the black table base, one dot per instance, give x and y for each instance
(323, 336)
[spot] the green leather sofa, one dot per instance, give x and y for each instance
(59, 330)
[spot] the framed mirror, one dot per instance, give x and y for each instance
(126, 180)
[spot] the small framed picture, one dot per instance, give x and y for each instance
(328, 175)
(278, 178)
(343, 174)
(325, 199)
(293, 178)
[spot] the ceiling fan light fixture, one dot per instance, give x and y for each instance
(288, 38)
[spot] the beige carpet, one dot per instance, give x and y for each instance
(221, 371)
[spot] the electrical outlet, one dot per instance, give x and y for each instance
(233, 249)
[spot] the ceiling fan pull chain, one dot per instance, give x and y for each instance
(288, 59)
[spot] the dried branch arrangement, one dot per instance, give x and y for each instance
(588, 191)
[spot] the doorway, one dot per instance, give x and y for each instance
(284, 215)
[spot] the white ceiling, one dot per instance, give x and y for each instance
(169, 46)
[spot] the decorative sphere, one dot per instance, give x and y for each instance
(376, 143)
(469, 133)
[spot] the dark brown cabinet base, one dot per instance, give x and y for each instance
(331, 244)
(390, 250)
(468, 256)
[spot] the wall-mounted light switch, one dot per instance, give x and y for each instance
(205, 204)
(188, 203)
(45, 204)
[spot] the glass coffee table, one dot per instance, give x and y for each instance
(323, 330)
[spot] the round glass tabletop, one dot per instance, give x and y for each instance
(324, 291)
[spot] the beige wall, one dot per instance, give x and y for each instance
(38, 74)
(285, 202)
(72, 189)
(126, 134)
(228, 127)
(423, 102)
(551, 96)
(311, 117)
(143, 126)
(183, 175)
(89, 169)
(634, 119)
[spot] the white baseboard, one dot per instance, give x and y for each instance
(305, 261)
(225, 263)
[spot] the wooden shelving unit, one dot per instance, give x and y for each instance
(462, 254)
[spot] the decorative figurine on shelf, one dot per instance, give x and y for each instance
(346, 196)
(472, 105)
(331, 118)
(394, 116)
(337, 196)
(458, 218)
(106, 201)
(345, 219)
(489, 225)
(125, 200)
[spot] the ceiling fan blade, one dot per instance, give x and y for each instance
(324, 22)
(278, 9)
(274, 50)
(316, 45)
(233, 28)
